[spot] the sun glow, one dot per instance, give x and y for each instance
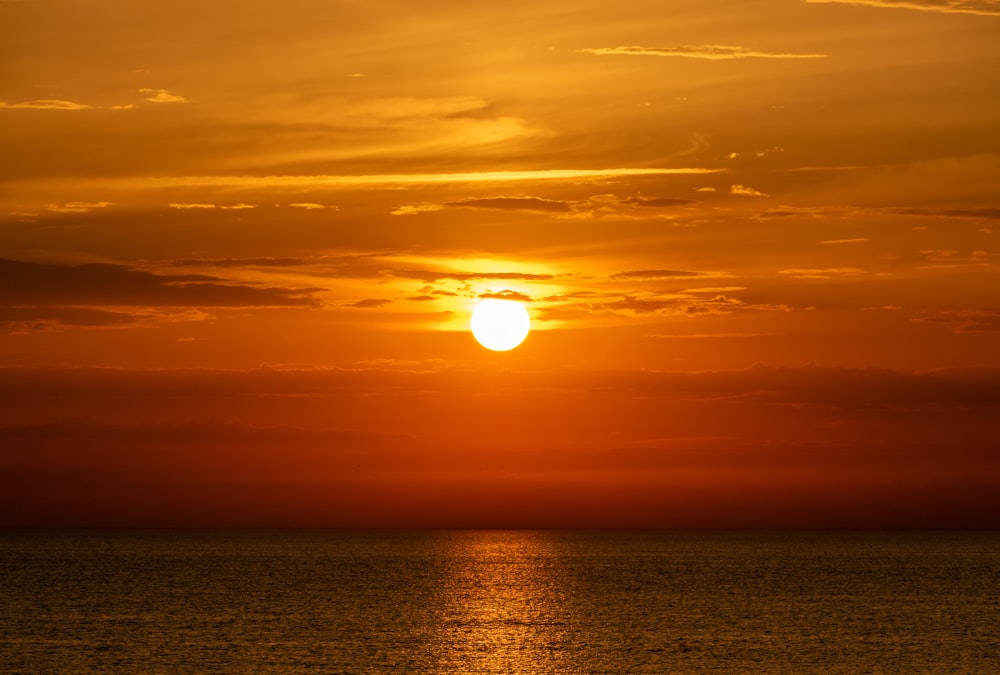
(500, 325)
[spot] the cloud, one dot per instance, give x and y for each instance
(310, 206)
(414, 209)
(820, 273)
(709, 336)
(808, 384)
(917, 440)
(835, 211)
(199, 205)
(848, 211)
(436, 275)
(981, 7)
(719, 304)
(363, 265)
(506, 295)
(858, 240)
(46, 104)
(60, 104)
(658, 202)
(536, 204)
(965, 321)
(636, 304)
(680, 304)
(326, 180)
(153, 96)
(953, 258)
(78, 207)
(657, 274)
(238, 262)
(162, 96)
(369, 303)
(410, 107)
(23, 319)
(41, 318)
(711, 52)
(594, 205)
(744, 190)
(987, 213)
(98, 286)
(194, 430)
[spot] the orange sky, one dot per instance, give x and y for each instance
(239, 245)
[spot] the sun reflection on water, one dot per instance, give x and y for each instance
(503, 607)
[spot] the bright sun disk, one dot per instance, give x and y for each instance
(500, 325)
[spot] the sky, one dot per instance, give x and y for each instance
(758, 241)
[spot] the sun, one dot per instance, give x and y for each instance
(500, 325)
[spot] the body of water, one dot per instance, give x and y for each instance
(499, 602)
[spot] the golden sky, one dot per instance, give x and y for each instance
(240, 243)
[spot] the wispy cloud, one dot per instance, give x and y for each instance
(238, 262)
(965, 320)
(151, 96)
(820, 272)
(746, 191)
(439, 275)
(326, 180)
(369, 303)
(785, 211)
(514, 204)
(659, 274)
(710, 336)
(858, 240)
(847, 211)
(97, 294)
(162, 96)
(981, 7)
(506, 295)
(711, 52)
(687, 303)
(46, 104)
(987, 213)
(22, 319)
(597, 204)
(197, 205)
(78, 207)
(955, 258)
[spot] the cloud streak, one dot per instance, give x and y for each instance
(594, 205)
(326, 180)
(81, 294)
(710, 52)
(437, 275)
(980, 7)
(746, 191)
(46, 104)
(162, 96)
(658, 274)
(78, 207)
(157, 96)
(198, 205)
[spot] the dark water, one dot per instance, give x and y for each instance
(499, 602)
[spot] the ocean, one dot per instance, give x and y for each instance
(499, 602)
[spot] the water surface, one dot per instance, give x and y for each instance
(499, 602)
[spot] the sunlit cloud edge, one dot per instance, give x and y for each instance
(415, 178)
